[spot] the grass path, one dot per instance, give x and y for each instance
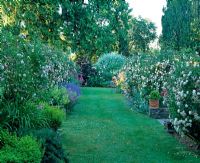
(102, 129)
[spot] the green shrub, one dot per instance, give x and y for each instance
(154, 95)
(7, 139)
(57, 96)
(54, 115)
(175, 75)
(138, 102)
(27, 68)
(144, 73)
(15, 149)
(184, 94)
(107, 66)
(52, 145)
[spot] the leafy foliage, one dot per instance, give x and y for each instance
(174, 76)
(16, 117)
(51, 143)
(108, 66)
(180, 24)
(154, 95)
(58, 96)
(14, 149)
(97, 28)
(28, 68)
(54, 115)
(184, 95)
(33, 20)
(142, 33)
(28, 71)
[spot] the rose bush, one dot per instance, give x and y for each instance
(184, 94)
(176, 76)
(32, 73)
(26, 68)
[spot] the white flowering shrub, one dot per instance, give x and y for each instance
(26, 68)
(184, 94)
(107, 66)
(28, 72)
(176, 76)
(145, 73)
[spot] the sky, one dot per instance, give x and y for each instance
(149, 9)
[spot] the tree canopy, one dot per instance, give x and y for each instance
(142, 33)
(180, 23)
(89, 30)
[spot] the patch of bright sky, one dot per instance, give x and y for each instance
(149, 9)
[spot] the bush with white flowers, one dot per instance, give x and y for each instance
(184, 94)
(176, 76)
(145, 73)
(26, 68)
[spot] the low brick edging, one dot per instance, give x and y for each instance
(160, 113)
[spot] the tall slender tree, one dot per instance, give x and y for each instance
(181, 24)
(176, 24)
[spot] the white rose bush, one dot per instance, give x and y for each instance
(176, 76)
(184, 95)
(143, 74)
(33, 97)
(27, 68)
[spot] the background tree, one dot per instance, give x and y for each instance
(100, 27)
(142, 33)
(180, 24)
(89, 31)
(33, 19)
(195, 24)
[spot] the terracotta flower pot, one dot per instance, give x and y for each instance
(154, 104)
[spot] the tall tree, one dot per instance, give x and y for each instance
(142, 33)
(181, 24)
(176, 24)
(101, 26)
(38, 19)
(88, 30)
(195, 25)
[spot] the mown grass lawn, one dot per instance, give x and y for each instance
(102, 128)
